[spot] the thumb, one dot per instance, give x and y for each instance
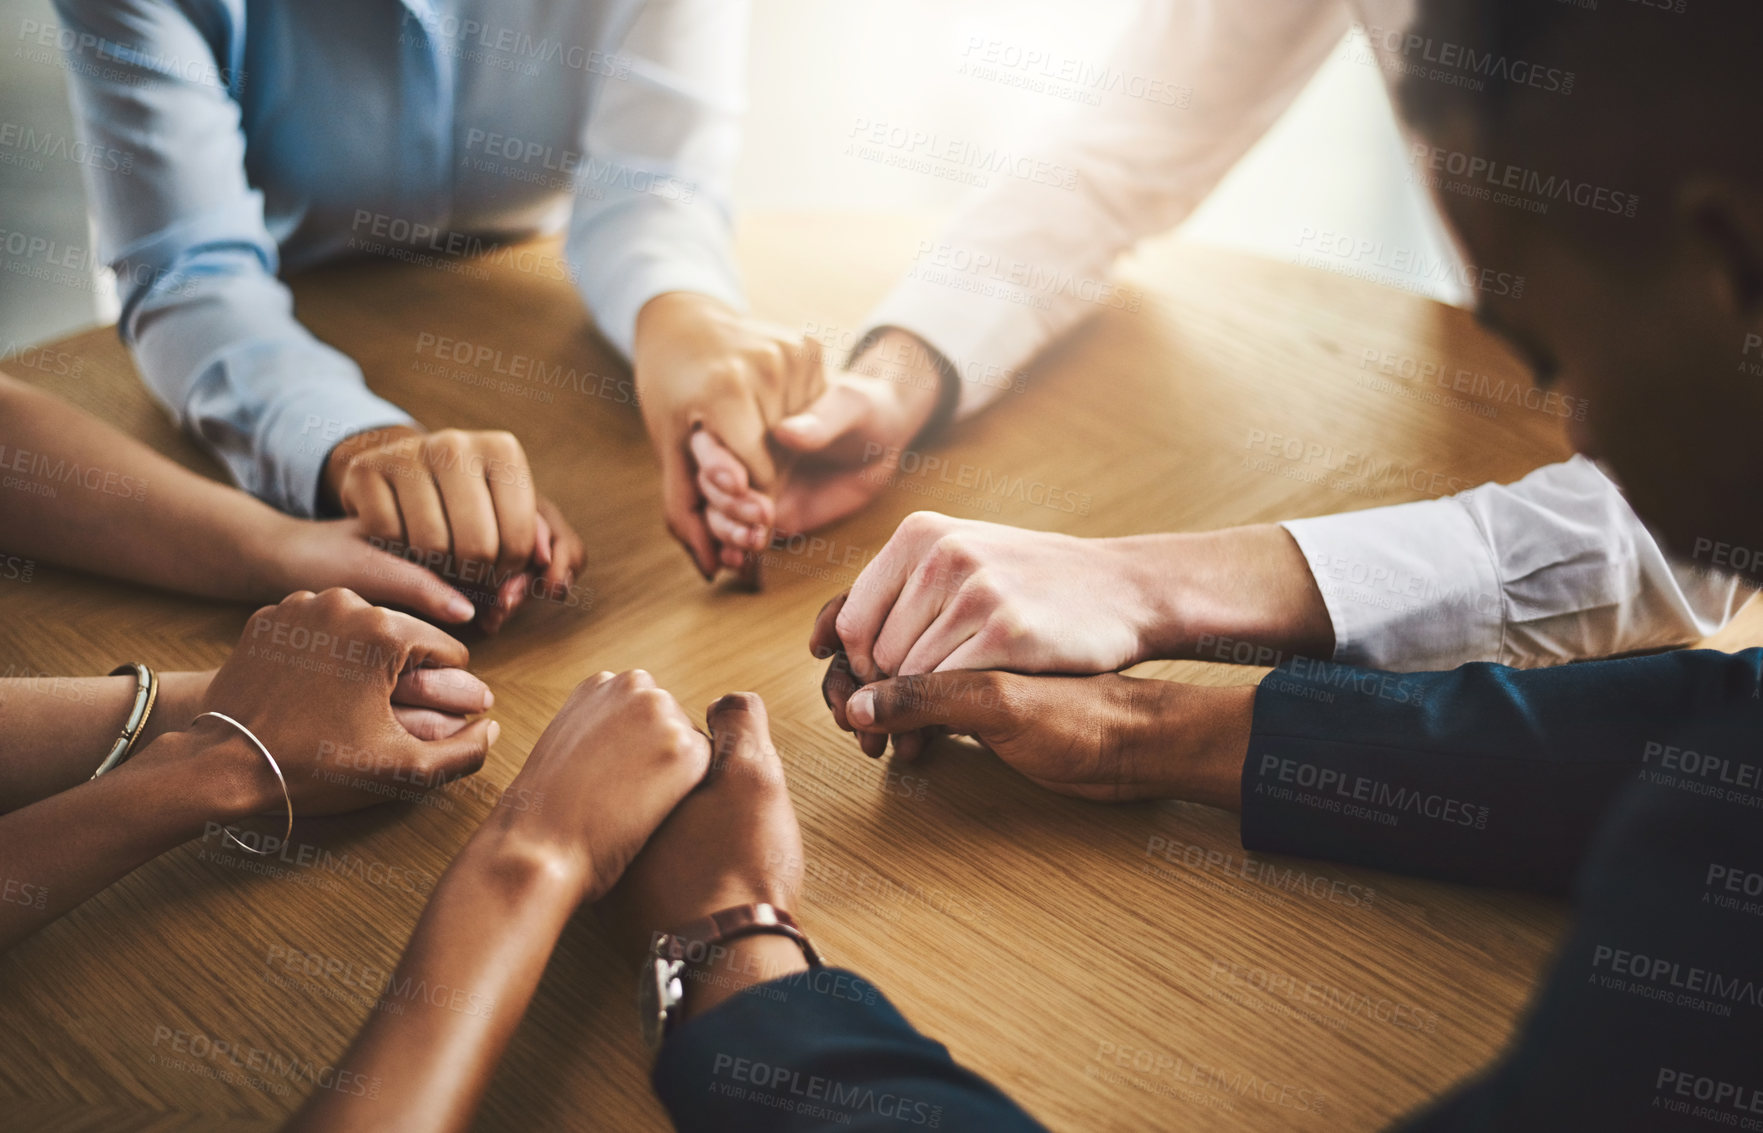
(837, 411)
(740, 730)
(460, 754)
(387, 580)
(967, 700)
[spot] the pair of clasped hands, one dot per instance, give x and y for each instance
(753, 437)
(957, 626)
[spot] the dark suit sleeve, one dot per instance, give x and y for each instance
(1485, 774)
(1651, 1017)
(820, 1050)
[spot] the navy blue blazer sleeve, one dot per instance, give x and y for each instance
(1651, 1015)
(1486, 774)
(820, 1050)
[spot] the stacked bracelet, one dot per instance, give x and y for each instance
(273, 766)
(146, 693)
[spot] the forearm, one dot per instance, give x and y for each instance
(461, 989)
(68, 724)
(93, 498)
(1487, 774)
(1243, 594)
(829, 1027)
(60, 851)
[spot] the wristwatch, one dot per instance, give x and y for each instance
(660, 987)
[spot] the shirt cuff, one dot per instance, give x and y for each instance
(985, 328)
(644, 247)
(296, 437)
(1410, 588)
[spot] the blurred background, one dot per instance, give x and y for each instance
(817, 68)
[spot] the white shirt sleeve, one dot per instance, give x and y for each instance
(662, 143)
(1554, 568)
(1191, 86)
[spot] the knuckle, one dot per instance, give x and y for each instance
(953, 552)
(1005, 627)
(925, 523)
(502, 443)
(845, 623)
(447, 442)
(982, 590)
(738, 702)
(997, 690)
(474, 547)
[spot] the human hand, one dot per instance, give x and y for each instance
(613, 762)
(948, 593)
(462, 502)
(837, 455)
(1108, 738)
(733, 841)
(431, 704)
(314, 677)
(701, 366)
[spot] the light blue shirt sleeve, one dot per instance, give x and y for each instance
(652, 212)
(210, 327)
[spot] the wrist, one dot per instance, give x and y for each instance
(916, 373)
(260, 572)
(662, 323)
(1155, 594)
(1243, 595)
(219, 775)
(180, 699)
(521, 867)
(1197, 739)
(736, 966)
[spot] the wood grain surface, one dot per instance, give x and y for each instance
(1114, 967)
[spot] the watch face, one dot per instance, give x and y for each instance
(658, 993)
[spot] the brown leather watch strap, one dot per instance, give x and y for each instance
(696, 942)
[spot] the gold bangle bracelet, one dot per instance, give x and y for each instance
(273, 766)
(146, 695)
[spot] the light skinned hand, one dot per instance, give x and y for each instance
(701, 365)
(617, 757)
(947, 593)
(463, 500)
(834, 456)
(1108, 738)
(314, 678)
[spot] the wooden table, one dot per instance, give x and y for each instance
(1114, 967)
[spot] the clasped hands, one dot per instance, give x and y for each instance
(1015, 638)
(360, 704)
(753, 436)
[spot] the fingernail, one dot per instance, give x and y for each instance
(460, 609)
(495, 731)
(489, 701)
(860, 709)
(724, 479)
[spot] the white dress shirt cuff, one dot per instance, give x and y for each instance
(1409, 588)
(626, 256)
